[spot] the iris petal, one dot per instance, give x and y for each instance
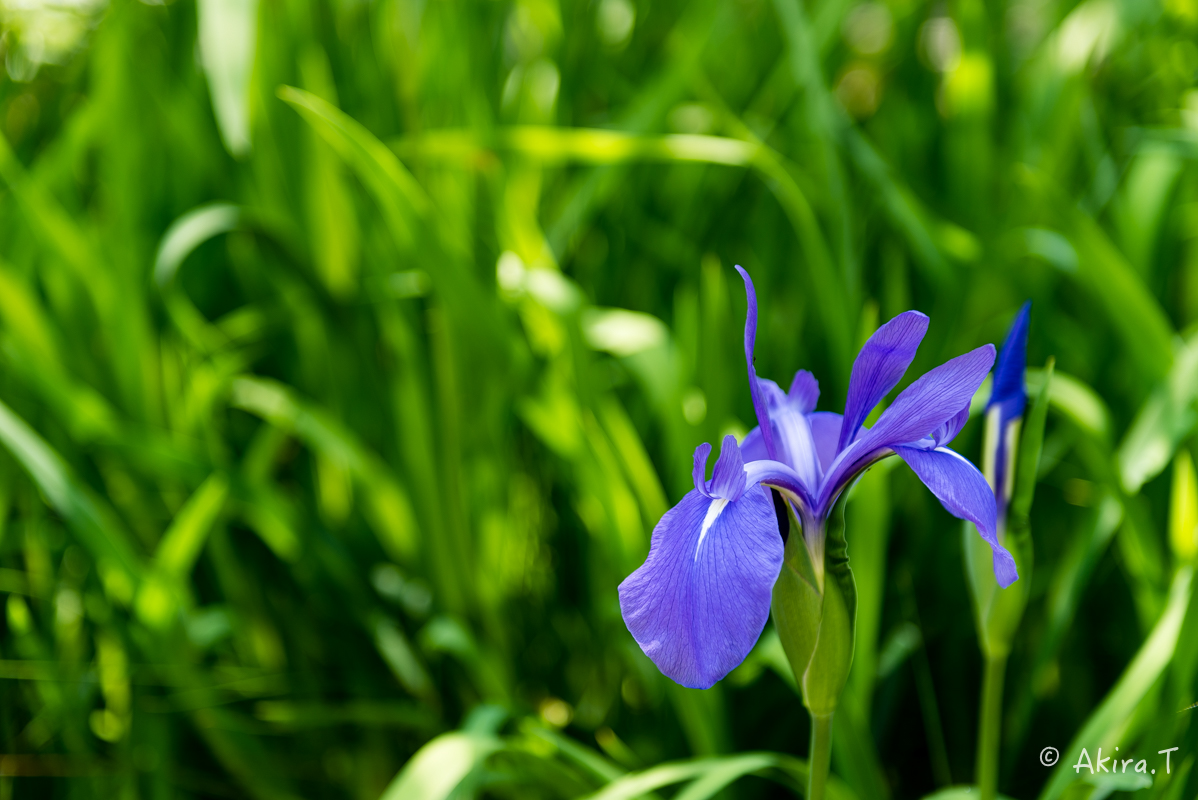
(701, 599)
(879, 367)
(965, 494)
(699, 469)
(825, 430)
(796, 445)
(752, 447)
(935, 398)
(1007, 402)
(931, 401)
(949, 430)
(804, 391)
(760, 405)
(728, 478)
(777, 475)
(1008, 372)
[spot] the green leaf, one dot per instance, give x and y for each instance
(187, 233)
(724, 768)
(1067, 584)
(441, 766)
(389, 508)
(228, 31)
(1183, 508)
(181, 544)
(401, 198)
(94, 523)
(1031, 443)
(1166, 417)
(1109, 722)
(1130, 308)
(959, 793)
(1075, 400)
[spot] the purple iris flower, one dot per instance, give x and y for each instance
(701, 599)
(1004, 413)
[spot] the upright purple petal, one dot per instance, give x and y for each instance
(699, 469)
(792, 435)
(963, 491)
(804, 391)
(759, 400)
(931, 401)
(752, 447)
(701, 599)
(797, 447)
(728, 478)
(1008, 372)
(825, 430)
(935, 398)
(879, 367)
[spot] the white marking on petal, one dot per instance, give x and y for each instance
(713, 512)
(795, 432)
(954, 454)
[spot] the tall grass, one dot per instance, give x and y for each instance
(349, 352)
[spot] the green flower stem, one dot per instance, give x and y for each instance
(821, 755)
(990, 727)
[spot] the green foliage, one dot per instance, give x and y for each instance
(350, 351)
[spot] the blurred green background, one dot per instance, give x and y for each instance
(351, 349)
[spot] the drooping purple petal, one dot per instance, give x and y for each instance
(825, 430)
(755, 390)
(804, 391)
(701, 599)
(965, 494)
(699, 469)
(728, 478)
(1008, 372)
(921, 408)
(879, 367)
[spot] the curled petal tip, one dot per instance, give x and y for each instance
(728, 480)
(760, 402)
(1005, 571)
(699, 468)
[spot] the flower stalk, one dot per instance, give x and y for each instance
(990, 726)
(1011, 446)
(819, 758)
